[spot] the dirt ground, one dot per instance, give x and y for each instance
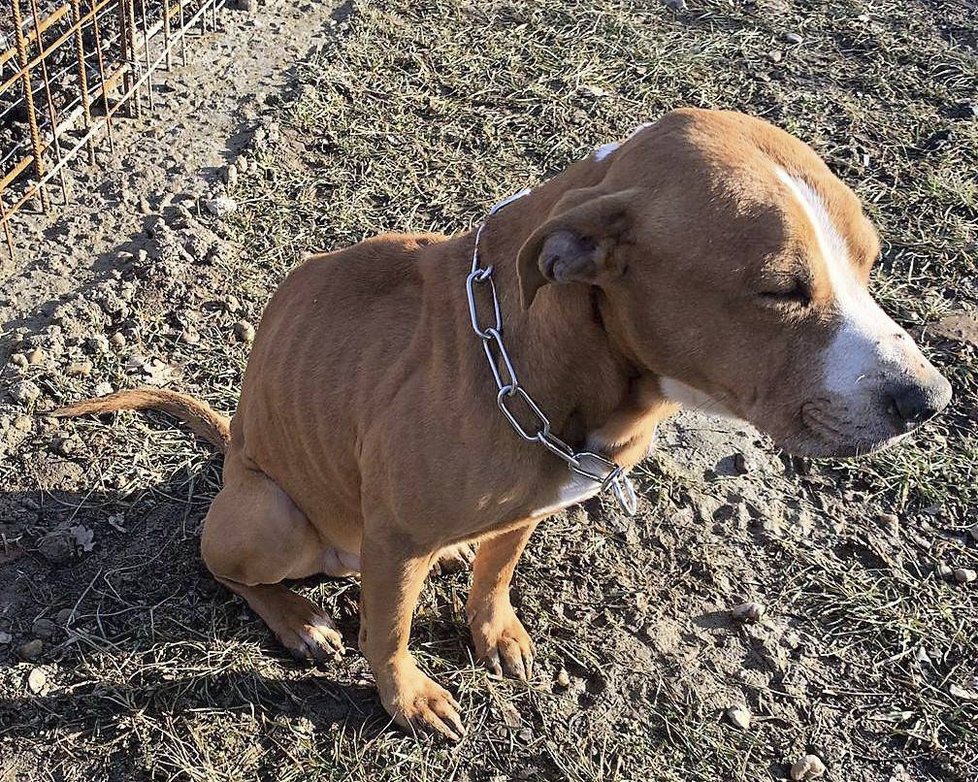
(120, 659)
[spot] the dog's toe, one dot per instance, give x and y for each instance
(310, 636)
(503, 644)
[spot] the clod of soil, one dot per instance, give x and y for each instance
(749, 612)
(57, 547)
(221, 205)
(81, 369)
(807, 767)
(25, 392)
(965, 575)
(31, 650)
(244, 331)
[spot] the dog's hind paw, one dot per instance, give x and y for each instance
(308, 633)
(452, 559)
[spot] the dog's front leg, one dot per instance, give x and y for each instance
(392, 577)
(499, 637)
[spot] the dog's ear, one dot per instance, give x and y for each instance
(576, 244)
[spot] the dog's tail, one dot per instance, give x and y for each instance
(205, 422)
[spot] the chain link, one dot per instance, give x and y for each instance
(511, 395)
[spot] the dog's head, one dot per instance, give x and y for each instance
(733, 265)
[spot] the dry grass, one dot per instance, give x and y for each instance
(416, 116)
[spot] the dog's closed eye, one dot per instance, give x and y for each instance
(793, 291)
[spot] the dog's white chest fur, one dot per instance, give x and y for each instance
(575, 489)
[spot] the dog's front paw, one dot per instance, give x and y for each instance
(502, 643)
(421, 705)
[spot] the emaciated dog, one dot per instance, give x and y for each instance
(709, 260)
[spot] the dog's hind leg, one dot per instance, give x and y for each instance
(254, 537)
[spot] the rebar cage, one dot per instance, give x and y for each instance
(68, 70)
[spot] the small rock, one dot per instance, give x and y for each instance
(18, 360)
(563, 678)
(793, 38)
(511, 717)
(943, 571)
(190, 335)
(36, 356)
(103, 389)
(84, 538)
(961, 693)
(65, 446)
(22, 423)
(25, 392)
(64, 617)
(144, 206)
(973, 532)
(739, 716)
(5, 638)
(889, 520)
(965, 575)
(44, 628)
(31, 650)
(230, 175)
(231, 303)
(749, 612)
(57, 547)
(36, 680)
(118, 340)
(775, 56)
(675, 5)
(81, 369)
(221, 205)
(244, 331)
(243, 164)
(594, 90)
(923, 657)
(807, 767)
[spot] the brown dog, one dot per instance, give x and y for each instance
(710, 259)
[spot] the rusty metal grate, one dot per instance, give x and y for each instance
(68, 69)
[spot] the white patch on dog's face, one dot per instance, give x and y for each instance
(867, 341)
(869, 365)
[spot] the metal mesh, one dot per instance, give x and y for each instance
(68, 70)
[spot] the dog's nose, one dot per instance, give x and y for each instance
(913, 403)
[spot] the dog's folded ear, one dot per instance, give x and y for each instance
(576, 244)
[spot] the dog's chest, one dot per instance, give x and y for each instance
(574, 490)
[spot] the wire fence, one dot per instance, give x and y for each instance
(70, 69)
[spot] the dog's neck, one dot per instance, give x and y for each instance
(560, 346)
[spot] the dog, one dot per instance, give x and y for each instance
(416, 393)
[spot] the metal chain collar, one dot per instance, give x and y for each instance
(511, 393)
